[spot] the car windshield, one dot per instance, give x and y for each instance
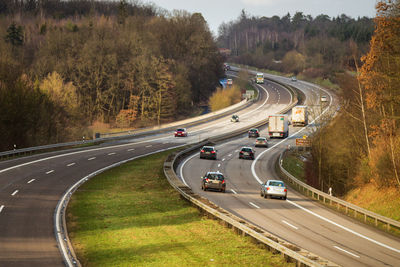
(254, 130)
(208, 148)
(261, 139)
(180, 130)
(246, 149)
(234, 116)
(216, 176)
(276, 183)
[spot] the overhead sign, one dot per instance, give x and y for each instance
(303, 142)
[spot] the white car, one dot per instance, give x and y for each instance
(324, 98)
(273, 188)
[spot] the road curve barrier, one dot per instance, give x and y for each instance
(334, 202)
(290, 252)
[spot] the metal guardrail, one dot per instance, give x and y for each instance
(334, 201)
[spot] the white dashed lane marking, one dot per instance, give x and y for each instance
(91, 158)
(71, 164)
(230, 155)
(112, 153)
(131, 149)
(348, 252)
(1, 208)
(49, 171)
(234, 191)
(254, 205)
(291, 225)
(30, 181)
(149, 146)
(219, 165)
(14, 193)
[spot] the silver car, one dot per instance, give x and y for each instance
(261, 141)
(213, 180)
(273, 188)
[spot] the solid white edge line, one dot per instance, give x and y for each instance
(291, 225)
(15, 192)
(181, 169)
(254, 205)
(1, 208)
(348, 252)
(71, 164)
(60, 239)
(344, 227)
(51, 171)
(313, 213)
(30, 181)
(234, 191)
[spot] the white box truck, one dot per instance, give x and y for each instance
(278, 126)
(299, 116)
(260, 78)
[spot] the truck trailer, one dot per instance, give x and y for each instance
(299, 116)
(278, 126)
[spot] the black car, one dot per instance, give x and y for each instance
(246, 153)
(254, 133)
(235, 118)
(208, 152)
(213, 180)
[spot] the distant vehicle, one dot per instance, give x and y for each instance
(324, 98)
(278, 126)
(213, 180)
(293, 79)
(181, 132)
(259, 77)
(299, 116)
(208, 152)
(226, 67)
(253, 133)
(229, 82)
(261, 141)
(273, 188)
(246, 153)
(235, 118)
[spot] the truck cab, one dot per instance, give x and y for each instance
(260, 77)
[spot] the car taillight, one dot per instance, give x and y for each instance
(285, 190)
(241, 152)
(281, 134)
(212, 152)
(270, 133)
(223, 181)
(207, 180)
(267, 188)
(202, 151)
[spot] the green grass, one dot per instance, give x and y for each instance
(250, 87)
(131, 216)
(294, 165)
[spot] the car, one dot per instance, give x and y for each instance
(254, 133)
(226, 67)
(261, 142)
(213, 180)
(208, 152)
(181, 132)
(274, 188)
(235, 118)
(229, 82)
(246, 153)
(324, 98)
(293, 79)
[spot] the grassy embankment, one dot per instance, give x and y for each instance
(131, 216)
(383, 201)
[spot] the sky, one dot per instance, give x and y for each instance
(216, 12)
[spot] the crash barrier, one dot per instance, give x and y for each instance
(341, 205)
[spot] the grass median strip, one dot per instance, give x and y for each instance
(131, 216)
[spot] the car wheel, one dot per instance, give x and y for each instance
(265, 195)
(284, 198)
(261, 193)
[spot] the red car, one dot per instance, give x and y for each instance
(181, 132)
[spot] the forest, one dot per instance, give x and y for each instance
(296, 44)
(65, 65)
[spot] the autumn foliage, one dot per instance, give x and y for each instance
(223, 98)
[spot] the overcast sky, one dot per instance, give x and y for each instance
(217, 11)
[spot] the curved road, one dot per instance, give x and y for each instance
(298, 220)
(31, 187)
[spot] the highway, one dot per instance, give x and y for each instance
(30, 187)
(297, 220)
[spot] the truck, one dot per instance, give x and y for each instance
(278, 126)
(299, 116)
(259, 77)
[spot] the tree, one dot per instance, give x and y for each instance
(15, 35)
